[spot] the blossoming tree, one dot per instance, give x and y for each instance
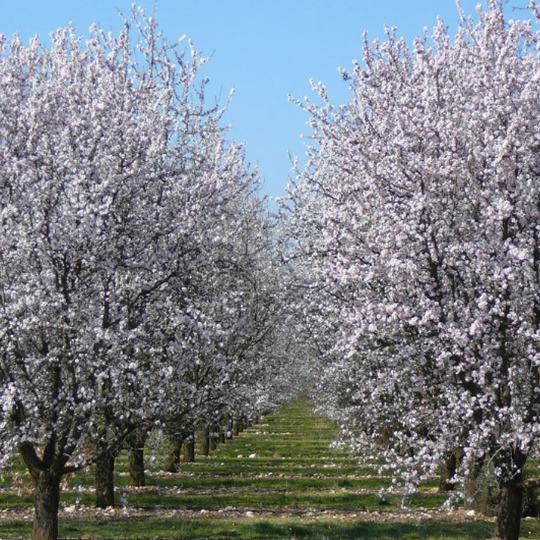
(418, 215)
(120, 204)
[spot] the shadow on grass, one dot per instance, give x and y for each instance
(242, 529)
(380, 531)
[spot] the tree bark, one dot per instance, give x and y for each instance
(214, 438)
(530, 499)
(189, 449)
(47, 500)
(229, 428)
(510, 507)
(238, 427)
(222, 438)
(46, 472)
(136, 459)
(105, 481)
(472, 486)
(205, 441)
(172, 463)
(448, 470)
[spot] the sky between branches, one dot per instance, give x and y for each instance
(266, 50)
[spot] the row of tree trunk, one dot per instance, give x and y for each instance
(182, 450)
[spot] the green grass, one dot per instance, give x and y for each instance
(243, 529)
(294, 471)
(278, 500)
(256, 482)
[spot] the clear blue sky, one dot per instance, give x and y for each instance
(265, 49)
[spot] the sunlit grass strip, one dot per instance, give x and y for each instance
(249, 500)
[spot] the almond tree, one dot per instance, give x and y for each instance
(98, 141)
(418, 216)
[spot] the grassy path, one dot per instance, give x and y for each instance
(279, 479)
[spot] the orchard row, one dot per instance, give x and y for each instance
(143, 283)
(140, 284)
(417, 230)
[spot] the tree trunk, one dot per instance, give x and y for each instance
(472, 486)
(136, 459)
(222, 438)
(205, 441)
(189, 449)
(448, 470)
(214, 438)
(530, 499)
(238, 427)
(105, 481)
(509, 511)
(230, 428)
(47, 500)
(481, 489)
(172, 463)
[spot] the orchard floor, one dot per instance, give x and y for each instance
(277, 480)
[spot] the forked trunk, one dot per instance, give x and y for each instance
(136, 459)
(509, 510)
(47, 500)
(105, 481)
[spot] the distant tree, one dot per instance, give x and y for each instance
(222, 342)
(417, 224)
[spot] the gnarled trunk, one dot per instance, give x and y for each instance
(46, 472)
(47, 500)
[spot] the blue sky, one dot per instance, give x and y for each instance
(265, 49)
